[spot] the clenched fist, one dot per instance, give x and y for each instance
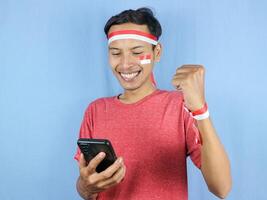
(190, 80)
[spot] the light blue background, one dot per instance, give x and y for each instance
(53, 62)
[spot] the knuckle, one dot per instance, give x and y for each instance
(201, 68)
(105, 187)
(117, 181)
(83, 173)
(99, 185)
(105, 175)
(91, 180)
(187, 77)
(91, 167)
(117, 166)
(193, 75)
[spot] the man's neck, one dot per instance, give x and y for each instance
(132, 96)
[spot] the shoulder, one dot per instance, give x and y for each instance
(99, 103)
(173, 95)
(102, 100)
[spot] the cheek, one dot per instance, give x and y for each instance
(113, 62)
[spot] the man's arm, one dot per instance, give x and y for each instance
(215, 165)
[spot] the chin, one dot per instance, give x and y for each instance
(130, 87)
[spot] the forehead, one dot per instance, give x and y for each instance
(128, 26)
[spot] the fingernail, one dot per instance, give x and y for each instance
(120, 160)
(101, 154)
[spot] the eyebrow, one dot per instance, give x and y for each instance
(113, 48)
(133, 48)
(136, 47)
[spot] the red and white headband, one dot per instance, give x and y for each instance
(132, 34)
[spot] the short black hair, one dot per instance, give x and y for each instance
(141, 16)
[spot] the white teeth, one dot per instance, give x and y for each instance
(129, 75)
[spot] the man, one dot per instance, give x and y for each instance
(152, 130)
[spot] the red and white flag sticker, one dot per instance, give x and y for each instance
(145, 59)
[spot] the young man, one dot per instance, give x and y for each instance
(152, 130)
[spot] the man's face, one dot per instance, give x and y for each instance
(124, 58)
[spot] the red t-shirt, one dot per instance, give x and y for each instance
(154, 136)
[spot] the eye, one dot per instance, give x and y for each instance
(137, 53)
(115, 54)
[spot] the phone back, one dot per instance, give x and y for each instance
(91, 147)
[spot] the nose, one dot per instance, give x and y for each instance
(126, 61)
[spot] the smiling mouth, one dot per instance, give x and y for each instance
(129, 76)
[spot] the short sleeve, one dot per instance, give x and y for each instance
(85, 129)
(193, 138)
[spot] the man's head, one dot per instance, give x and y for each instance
(141, 16)
(133, 47)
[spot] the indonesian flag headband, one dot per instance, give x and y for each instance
(136, 35)
(132, 34)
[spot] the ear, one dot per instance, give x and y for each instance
(157, 52)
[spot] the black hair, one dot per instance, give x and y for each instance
(141, 16)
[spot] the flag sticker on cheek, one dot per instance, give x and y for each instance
(145, 59)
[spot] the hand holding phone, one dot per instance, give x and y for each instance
(90, 182)
(91, 147)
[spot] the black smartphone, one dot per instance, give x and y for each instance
(91, 147)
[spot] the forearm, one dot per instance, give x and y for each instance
(215, 165)
(83, 192)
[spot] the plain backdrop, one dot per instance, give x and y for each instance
(53, 62)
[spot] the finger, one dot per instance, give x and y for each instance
(95, 161)
(180, 76)
(115, 179)
(184, 69)
(192, 66)
(188, 68)
(82, 161)
(121, 178)
(178, 80)
(110, 171)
